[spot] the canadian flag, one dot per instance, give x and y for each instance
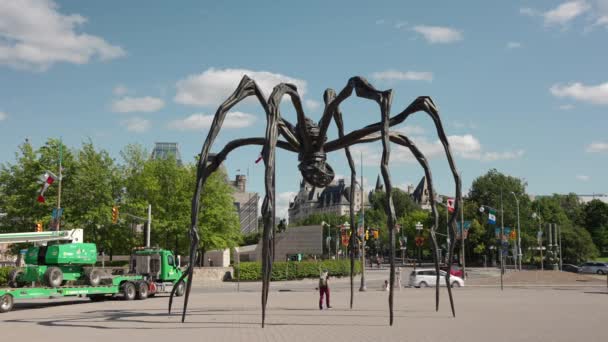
(47, 179)
(450, 205)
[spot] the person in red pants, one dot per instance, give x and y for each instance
(324, 289)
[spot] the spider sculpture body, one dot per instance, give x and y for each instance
(309, 140)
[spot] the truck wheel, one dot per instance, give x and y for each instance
(53, 277)
(142, 290)
(13, 278)
(181, 288)
(129, 291)
(94, 277)
(6, 303)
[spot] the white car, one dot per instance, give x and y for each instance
(426, 277)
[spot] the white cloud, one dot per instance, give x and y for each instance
(562, 14)
(528, 11)
(508, 155)
(282, 199)
(3, 116)
(197, 122)
(513, 45)
(400, 24)
(597, 94)
(597, 147)
(34, 35)
(439, 34)
(465, 146)
(601, 21)
(566, 107)
(583, 178)
(566, 12)
(380, 21)
(393, 75)
(469, 125)
(136, 124)
(411, 130)
(213, 86)
(120, 90)
(137, 104)
(312, 104)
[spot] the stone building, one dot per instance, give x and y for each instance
(333, 199)
(246, 204)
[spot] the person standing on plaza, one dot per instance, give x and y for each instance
(324, 289)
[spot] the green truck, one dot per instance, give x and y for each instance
(68, 269)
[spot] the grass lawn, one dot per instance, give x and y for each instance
(603, 259)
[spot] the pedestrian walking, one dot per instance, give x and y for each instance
(324, 289)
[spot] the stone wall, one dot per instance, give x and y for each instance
(212, 274)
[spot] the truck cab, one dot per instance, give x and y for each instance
(159, 267)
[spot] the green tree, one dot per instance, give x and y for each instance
(219, 225)
(595, 220)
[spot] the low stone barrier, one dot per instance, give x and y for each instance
(212, 274)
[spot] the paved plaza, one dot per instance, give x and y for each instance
(564, 312)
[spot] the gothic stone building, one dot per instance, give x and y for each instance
(332, 199)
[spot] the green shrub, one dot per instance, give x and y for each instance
(4, 271)
(248, 271)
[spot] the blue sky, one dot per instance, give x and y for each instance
(521, 85)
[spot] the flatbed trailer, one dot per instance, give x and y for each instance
(130, 286)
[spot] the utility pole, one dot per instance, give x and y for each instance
(363, 286)
(149, 225)
(58, 225)
(560, 248)
(519, 255)
(502, 233)
(464, 273)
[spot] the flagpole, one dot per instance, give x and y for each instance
(58, 225)
(363, 286)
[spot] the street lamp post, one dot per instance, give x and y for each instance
(418, 234)
(539, 237)
(519, 255)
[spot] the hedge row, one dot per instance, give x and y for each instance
(295, 270)
(4, 271)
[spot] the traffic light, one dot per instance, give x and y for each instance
(38, 227)
(114, 214)
(367, 234)
(376, 234)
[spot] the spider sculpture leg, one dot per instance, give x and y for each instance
(405, 141)
(328, 96)
(423, 103)
(246, 87)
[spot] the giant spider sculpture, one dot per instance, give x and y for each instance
(309, 140)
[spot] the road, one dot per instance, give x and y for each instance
(557, 313)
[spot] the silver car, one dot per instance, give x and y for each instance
(427, 277)
(594, 267)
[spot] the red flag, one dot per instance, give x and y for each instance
(48, 178)
(259, 158)
(450, 205)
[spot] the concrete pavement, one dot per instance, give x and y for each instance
(483, 314)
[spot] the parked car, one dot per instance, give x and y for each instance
(426, 277)
(570, 268)
(456, 270)
(594, 267)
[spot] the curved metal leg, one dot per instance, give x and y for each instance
(405, 141)
(329, 96)
(246, 87)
